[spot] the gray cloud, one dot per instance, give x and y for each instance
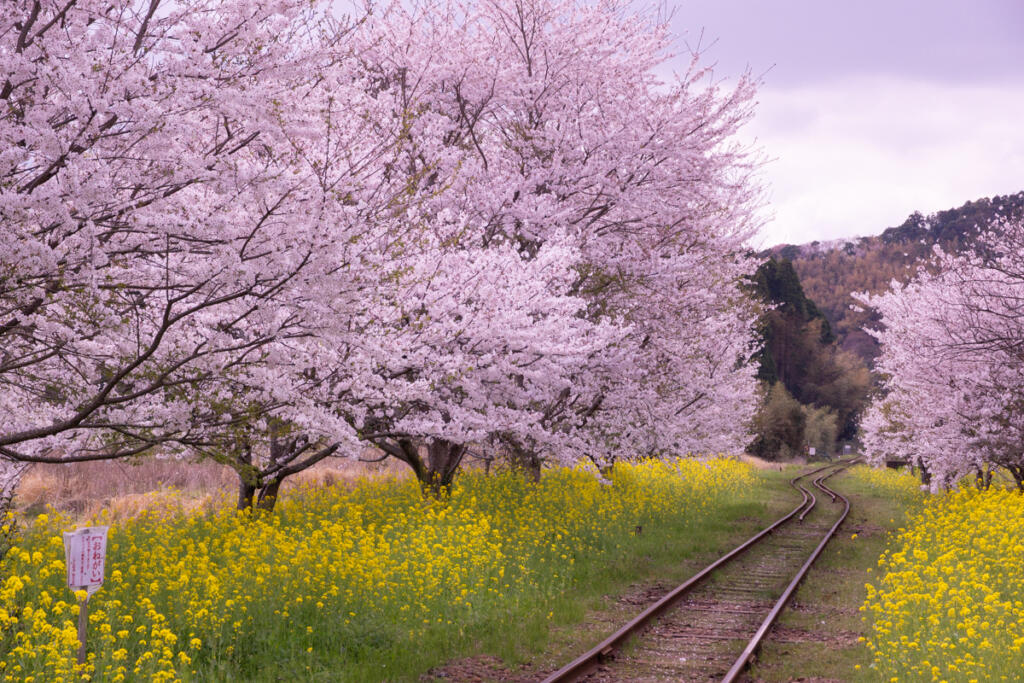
(876, 149)
(872, 109)
(805, 41)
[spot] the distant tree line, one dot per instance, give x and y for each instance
(830, 273)
(813, 391)
(818, 342)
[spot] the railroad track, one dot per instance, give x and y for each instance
(710, 627)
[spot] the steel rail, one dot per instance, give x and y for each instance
(601, 652)
(755, 643)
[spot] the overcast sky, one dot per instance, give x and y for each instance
(872, 109)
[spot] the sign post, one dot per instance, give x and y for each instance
(85, 553)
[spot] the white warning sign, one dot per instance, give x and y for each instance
(85, 552)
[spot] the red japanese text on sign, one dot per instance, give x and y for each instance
(85, 552)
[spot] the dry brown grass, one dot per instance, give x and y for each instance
(126, 488)
(760, 463)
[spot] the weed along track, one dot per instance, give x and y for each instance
(710, 627)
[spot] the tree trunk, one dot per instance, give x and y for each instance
(1018, 475)
(246, 491)
(411, 457)
(926, 476)
(246, 478)
(268, 495)
(532, 468)
(443, 460)
(524, 460)
(436, 473)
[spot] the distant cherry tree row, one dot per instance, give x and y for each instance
(259, 232)
(953, 364)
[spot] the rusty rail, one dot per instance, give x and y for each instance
(604, 650)
(755, 643)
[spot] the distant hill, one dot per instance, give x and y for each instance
(829, 271)
(800, 354)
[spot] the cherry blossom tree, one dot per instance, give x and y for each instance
(174, 193)
(485, 332)
(248, 231)
(953, 362)
(559, 129)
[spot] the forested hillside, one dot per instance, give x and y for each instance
(829, 271)
(814, 391)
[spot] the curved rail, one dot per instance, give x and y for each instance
(594, 657)
(752, 646)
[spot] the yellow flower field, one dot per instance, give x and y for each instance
(898, 485)
(337, 583)
(950, 603)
